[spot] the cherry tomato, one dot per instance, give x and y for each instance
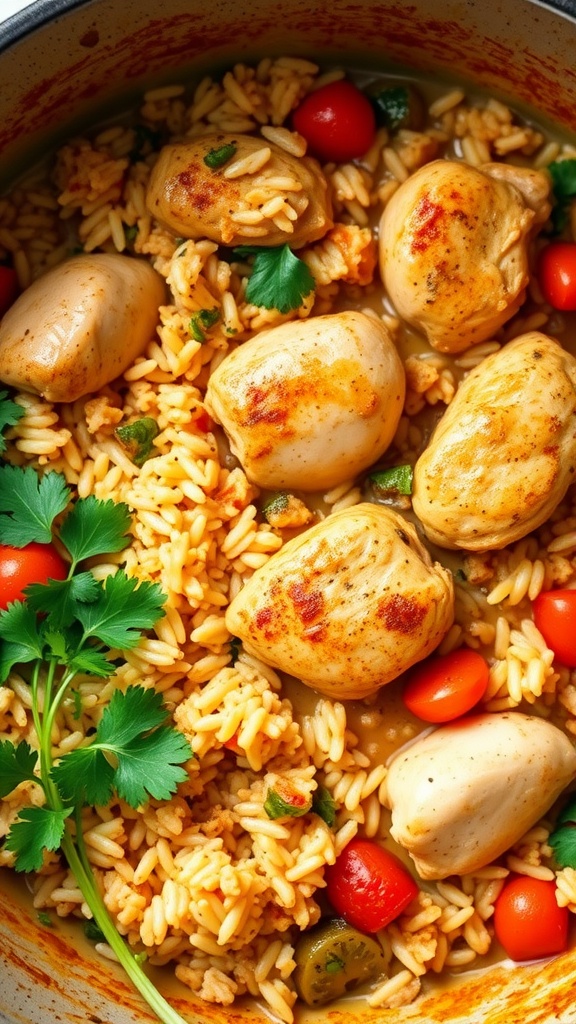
(444, 687)
(35, 563)
(555, 616)
(528, 922)
(337, 121)
(8, 288)
(557, 274)
(368, 886)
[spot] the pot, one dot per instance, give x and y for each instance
(64, 63)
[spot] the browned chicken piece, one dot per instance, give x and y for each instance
(79, 326)
(260, 194)
(503, 455)
(348, 605)
(311, 403)
(453, 248)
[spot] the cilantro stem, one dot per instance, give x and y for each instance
(78, 862)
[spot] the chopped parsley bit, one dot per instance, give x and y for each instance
(392, 106)
(130, 232)
(275, 504)
(10, 413)
(93, 932)
(202, 321)
(73, 627)
(216, 158)
(396, 480)
(563, 174)
(324, 806)
(563, 838)
(279, 280)
(137, 438)
(45, 919)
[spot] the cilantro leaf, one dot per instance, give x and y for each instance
(324, 806)
(132, 752)
(114, 618)
(279, 280)
(568, 814)
(21, 633)
(59, 598)
(138, 439)
(10, 413)
(95, 527)
(30, 503)
(563, 174)
(563, 842)
(17, 764)
(37, 829)
(92, 662)
(396, 479)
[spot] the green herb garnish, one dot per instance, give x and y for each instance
(138, 439)
(396, 480)
(563, 838)
(279, 279)
(324, 806)
(275, 504)
(392, 106)
(62, 629)
(202, 321)
(45, 919)
(10, 413)
(130, 232)
(334, 964)
(563, 174)
(216, 158)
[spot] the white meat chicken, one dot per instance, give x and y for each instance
(464, 794)
(454, 248)
(348, 605)
(311, 403)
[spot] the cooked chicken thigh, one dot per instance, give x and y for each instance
(311, 403)
(453, 248)
(348, 605)
(80, 325)
(465, 793)
(282, 199)
(503, 455)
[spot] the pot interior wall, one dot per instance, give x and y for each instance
(92, 58)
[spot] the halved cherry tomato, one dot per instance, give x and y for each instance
(446, 686)
(337, 121)
(555, 616)
(557, 274)
(368, 885)
(35, 563)
(528, 922)
(8, 288)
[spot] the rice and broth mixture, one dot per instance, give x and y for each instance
(208, 882)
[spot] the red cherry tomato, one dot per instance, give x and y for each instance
(8, 288)
(528, 922)
(35, 563)
(337, 121)
(368, 886)
(447, 686)
(557, 274)
(555, 616)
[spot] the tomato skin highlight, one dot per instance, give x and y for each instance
(557, 274)
(369, 886)
(9, 288)
(528, 922)
(34, 563)
(555, 616)
(444, 687)
(337, 121)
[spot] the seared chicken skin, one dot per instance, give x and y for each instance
(453, 248)
(348, 605)
(79, 326)
(468, 791)
(284, 199)
(503, 455)
(309, 404)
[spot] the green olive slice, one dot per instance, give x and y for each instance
(333, 958)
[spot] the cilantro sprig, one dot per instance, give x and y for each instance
(563, 838)
(563, 174)
(279, 279)
(10, 413)
(71, 627)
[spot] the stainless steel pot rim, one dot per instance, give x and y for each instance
(40, 12)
